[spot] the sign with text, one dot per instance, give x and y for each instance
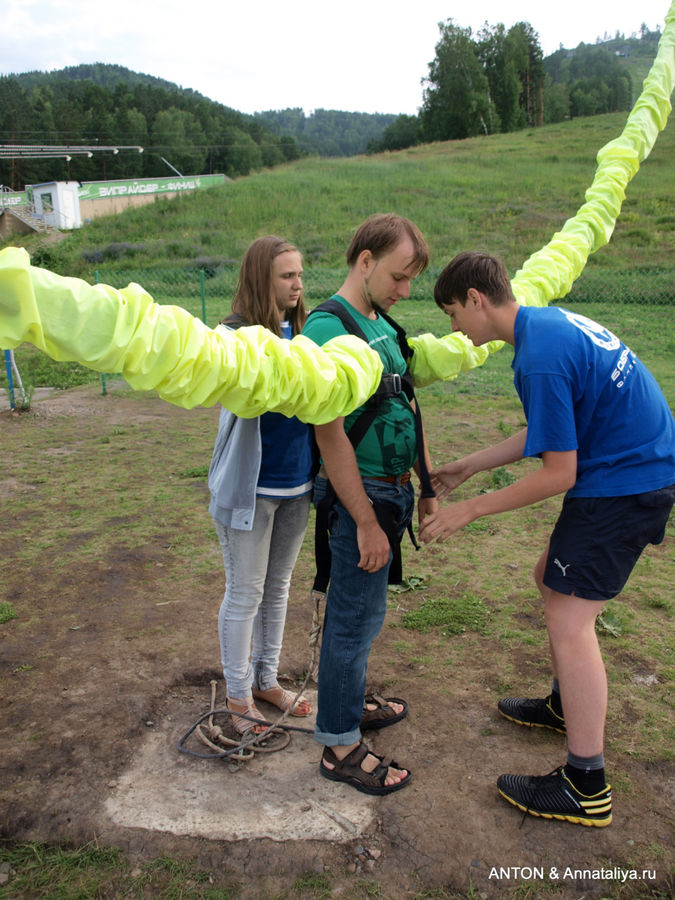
(12, 198)
(102, 190)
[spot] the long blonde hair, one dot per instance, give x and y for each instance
(254, 303)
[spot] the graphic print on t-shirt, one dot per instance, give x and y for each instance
(600, 335)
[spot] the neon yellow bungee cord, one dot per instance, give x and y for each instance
(164, 348)
(251, 370)
(550, 272)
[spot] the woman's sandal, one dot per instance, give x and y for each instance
(349, 771)
(247, 708)
(384, 714)
(283, 699)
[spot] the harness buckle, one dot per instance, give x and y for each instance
(396, 383)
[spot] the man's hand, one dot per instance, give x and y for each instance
(557, 474)
(426, 506)
(445, 479)
(373, 545)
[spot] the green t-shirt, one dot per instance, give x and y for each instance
(389, 446)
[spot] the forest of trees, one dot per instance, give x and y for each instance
(109, 105)
(494, 81)
(499, 81)
(327, 132)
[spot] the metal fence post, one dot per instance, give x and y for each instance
(10, 379)
(202, 288)
(104, 389)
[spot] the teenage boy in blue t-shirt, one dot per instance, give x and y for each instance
(606, 436)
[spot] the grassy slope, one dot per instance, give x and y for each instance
(504, 193)
(508, 194)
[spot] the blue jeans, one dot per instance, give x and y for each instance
(355, 608)
(258, 569)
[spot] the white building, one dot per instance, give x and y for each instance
(56, 202)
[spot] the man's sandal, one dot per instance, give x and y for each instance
(283, 699)
(383, 715)
(350, 772)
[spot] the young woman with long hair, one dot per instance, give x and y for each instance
(260, 481)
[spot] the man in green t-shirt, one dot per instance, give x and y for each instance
(370, 481)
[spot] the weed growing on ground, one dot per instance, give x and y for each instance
(451, 614)
(7, 612)
(500, 478)
(320, 885)
(196, 472)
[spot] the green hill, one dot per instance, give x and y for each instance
(104, 75)
(506, 193)
(598, 64)
(108, 105)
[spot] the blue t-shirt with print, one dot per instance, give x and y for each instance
(582, 389)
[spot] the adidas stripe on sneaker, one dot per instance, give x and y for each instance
(553, 796)
(532, 713)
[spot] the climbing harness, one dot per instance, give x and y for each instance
(391, 385)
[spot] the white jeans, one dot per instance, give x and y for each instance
(258, 569)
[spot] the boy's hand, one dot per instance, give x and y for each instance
(446, 478)
(444, 523)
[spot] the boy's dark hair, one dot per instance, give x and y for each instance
(473, 269)
(381, 233)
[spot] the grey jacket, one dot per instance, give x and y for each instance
(234, 471)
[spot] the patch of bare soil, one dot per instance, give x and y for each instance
(99, 655)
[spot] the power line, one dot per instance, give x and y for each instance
(58, 151)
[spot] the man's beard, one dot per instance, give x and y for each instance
(374, 304)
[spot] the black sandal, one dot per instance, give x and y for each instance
(383, 715)
(350, 772)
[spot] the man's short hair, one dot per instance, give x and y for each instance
(472, 269)
(381, 233)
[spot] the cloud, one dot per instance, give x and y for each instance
(361, 55)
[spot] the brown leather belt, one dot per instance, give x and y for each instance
(403, 478)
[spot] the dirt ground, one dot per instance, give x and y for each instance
(106, 652)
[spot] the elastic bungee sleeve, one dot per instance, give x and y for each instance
(550, 272)
(164, 348)
(250, 371)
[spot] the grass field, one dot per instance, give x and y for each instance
(645, 329)
(471, 614)
(507, 194)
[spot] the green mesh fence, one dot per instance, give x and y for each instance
(636, 304)
(207, 292)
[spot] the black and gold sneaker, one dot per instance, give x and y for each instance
(532, 713)
(554, 796)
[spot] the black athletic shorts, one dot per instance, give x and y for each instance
(597, 541)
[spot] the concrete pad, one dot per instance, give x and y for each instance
(277, 795)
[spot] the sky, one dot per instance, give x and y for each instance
(253, 55)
